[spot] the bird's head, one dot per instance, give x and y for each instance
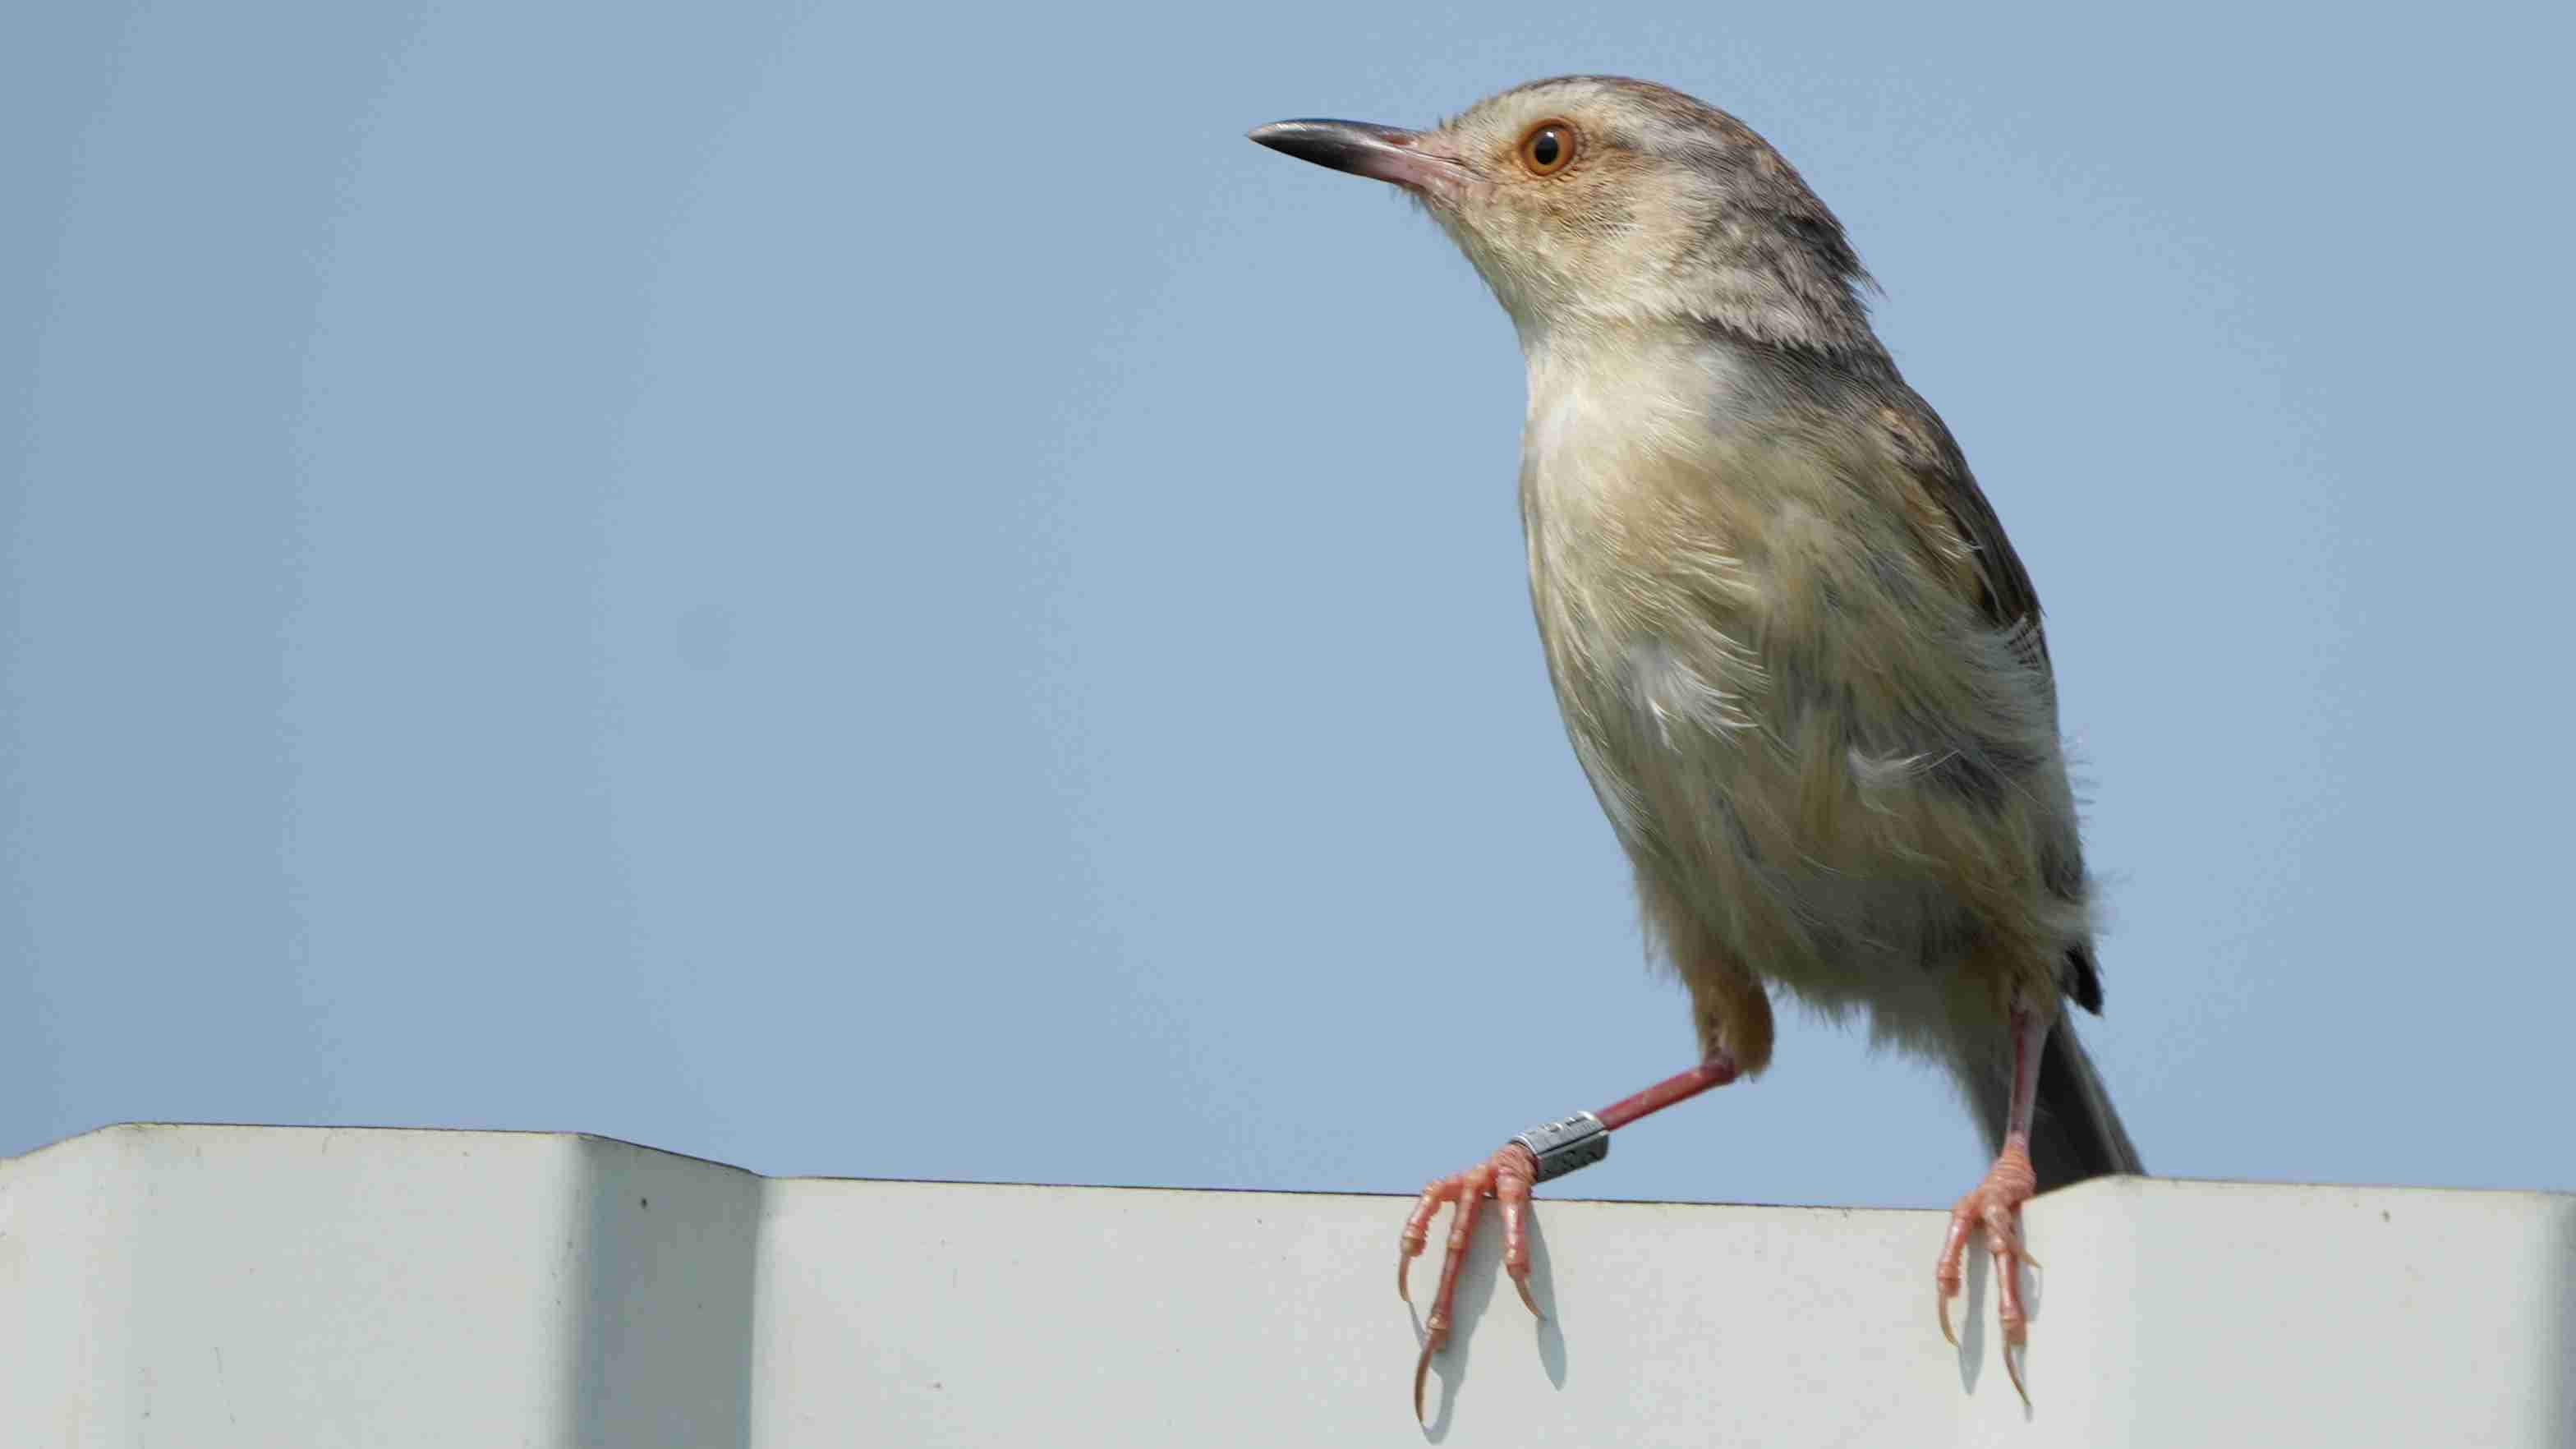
(1592, 202)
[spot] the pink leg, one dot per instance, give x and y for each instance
(1995, 1205)
(1508, 1176)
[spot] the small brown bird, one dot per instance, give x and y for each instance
(1795, 653)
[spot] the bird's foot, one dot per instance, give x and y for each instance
(1506, 1177)
(1994, 1204)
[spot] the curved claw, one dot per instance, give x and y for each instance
(1532, 1303)
(1941, 1300)
(2012, 1370)
(1417, 1229)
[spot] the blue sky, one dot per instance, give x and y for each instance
(872, 591)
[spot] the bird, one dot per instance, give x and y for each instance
(1795, 653)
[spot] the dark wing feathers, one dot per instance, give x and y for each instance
(1922, 445)
(1968, 540)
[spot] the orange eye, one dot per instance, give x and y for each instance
(1548, 147)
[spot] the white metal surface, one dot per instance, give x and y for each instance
(308, 1286)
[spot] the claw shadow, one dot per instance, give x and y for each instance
(1479, 1287)
(1978, 1270)
(1542, 1280)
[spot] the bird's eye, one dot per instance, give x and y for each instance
(1547, 147)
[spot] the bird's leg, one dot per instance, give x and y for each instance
(1507, 1176)
(1995, 1204)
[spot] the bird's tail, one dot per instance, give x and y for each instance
(2074, 1131)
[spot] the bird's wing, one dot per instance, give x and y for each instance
(1967, 543)
(1959, 526)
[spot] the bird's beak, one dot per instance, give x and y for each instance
(1382, 152)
